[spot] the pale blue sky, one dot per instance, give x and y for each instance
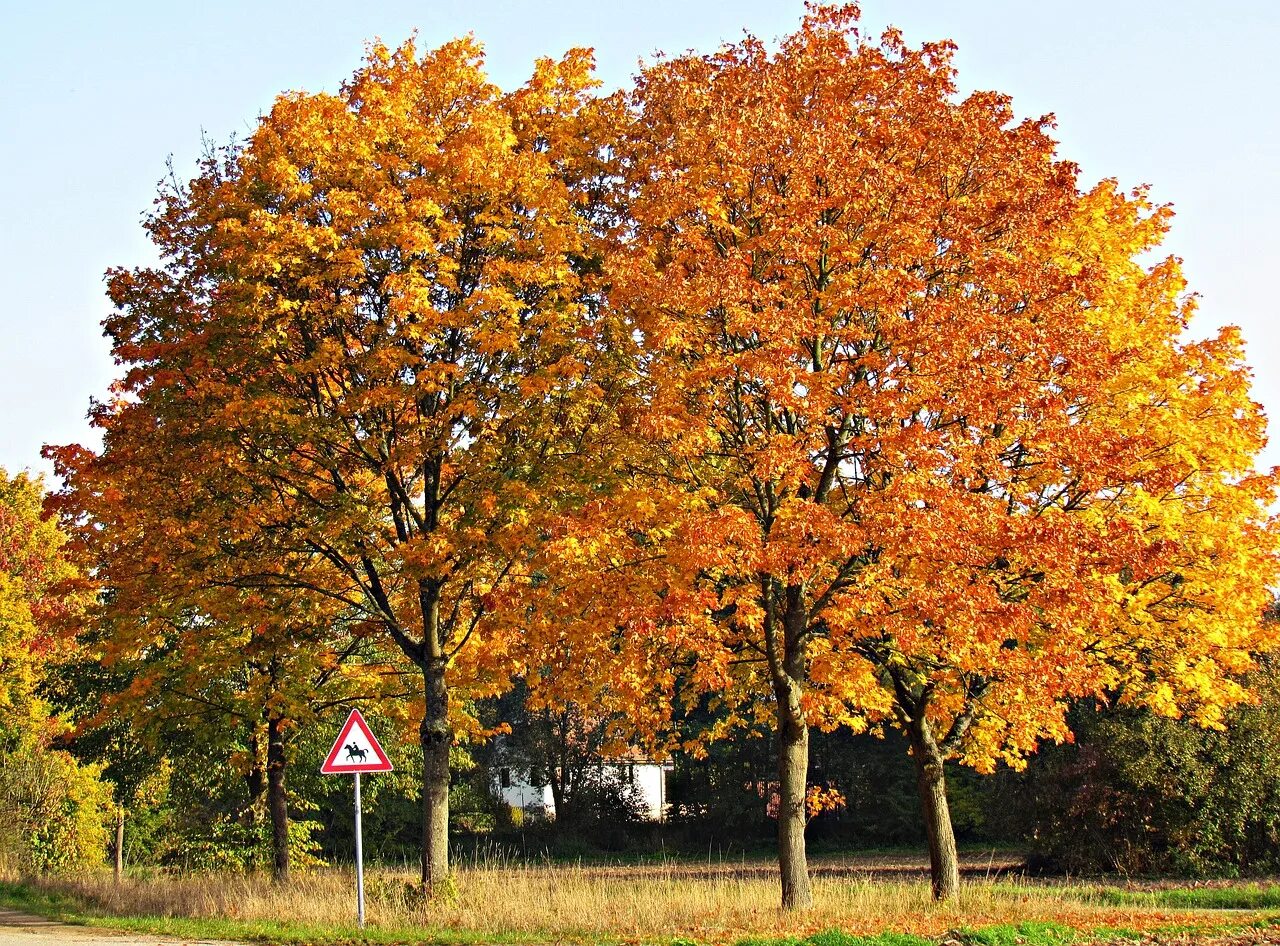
(1179, 95)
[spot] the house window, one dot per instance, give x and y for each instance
(504, 777)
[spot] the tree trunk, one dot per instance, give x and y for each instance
(118, 866)
(787, 659)
(436, 739)
(564, 783)
(277, 800)
(931, 782)
(793, 773)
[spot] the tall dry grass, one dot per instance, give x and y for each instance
(552, 902)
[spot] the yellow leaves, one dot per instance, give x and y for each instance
(385, 388)
(820, 798)
(40, 596)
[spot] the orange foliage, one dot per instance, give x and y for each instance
(804, 383)
(919, 412)
(365, 371)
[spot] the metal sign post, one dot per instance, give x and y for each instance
(355, 751)
(359, 860)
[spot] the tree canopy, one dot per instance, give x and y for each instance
(936, 449)
(788, 382)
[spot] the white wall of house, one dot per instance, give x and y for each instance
(535, 800)
(651, 779)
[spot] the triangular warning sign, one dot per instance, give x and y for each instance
(355, 750)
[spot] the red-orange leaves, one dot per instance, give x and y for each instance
(941, 453)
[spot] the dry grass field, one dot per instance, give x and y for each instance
(708, 902)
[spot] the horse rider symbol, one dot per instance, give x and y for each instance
(355, 752)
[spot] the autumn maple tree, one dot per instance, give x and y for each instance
(372, 344)
(929, 446)
(196, 634)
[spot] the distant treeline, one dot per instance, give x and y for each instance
(1135, 793)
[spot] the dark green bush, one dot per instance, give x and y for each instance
(1140, 793)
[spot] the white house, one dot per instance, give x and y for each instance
(649, 777)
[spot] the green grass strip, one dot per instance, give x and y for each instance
(1248, 897)
(1020, 934)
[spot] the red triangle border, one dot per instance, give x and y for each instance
(383, 764)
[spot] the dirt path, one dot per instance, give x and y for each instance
(23, 929)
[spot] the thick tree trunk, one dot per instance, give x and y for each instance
(931, 782)
(118, 865)
(785, 645)
(436, 739)
(793, 772)
(277, 800)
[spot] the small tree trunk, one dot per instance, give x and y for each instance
(793, 772)
(277, 800)
(566, 780)
(255, 781)
(944, 865)
(436, 739)
(118, 866)
(555, 780)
